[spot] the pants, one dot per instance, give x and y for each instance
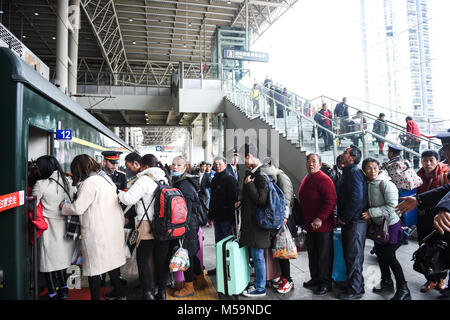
(327, 139)
(285, 267)
(259, 262)
(158, 252)
(55, 279)
(320, 255)
(353, 243)
(255, 106)
(95, 283)
(381, 146)
(222, 229)
(387, 260)
(194, 268)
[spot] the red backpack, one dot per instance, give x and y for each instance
(170, 217)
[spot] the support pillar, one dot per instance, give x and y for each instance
(207, 143)
(62, 43)
(73, 45)
(127, 135)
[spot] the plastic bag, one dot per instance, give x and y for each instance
(179, 261)
(284, 246)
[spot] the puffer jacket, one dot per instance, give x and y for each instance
(282, 180)
(383, 197)
(144, 188)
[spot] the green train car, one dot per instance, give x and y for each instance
(32, 109)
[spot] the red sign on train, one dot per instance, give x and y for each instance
(12, 200)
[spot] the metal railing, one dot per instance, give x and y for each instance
(297, 117)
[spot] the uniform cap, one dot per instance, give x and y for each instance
(112, 156)
(445, 138)
(394, 147)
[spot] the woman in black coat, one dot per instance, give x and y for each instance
(189, 185)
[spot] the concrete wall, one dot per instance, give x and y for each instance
(292, 160)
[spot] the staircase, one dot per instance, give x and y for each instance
(296, 125)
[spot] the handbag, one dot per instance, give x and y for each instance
(180, 260)
(431, 257)
(284, 246)
(403, 175)
(378, 233)
(133, 235)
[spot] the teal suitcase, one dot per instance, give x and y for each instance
(232, 267)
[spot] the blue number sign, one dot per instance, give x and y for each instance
(63, 134)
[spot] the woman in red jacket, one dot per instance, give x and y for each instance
(317, 199)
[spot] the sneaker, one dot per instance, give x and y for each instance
(286, 286)
(253, 293)
(276, 283)
(112, 295)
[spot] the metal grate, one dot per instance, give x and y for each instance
(11, 40)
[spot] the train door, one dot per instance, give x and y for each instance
(39, 144)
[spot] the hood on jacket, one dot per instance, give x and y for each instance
(187, 176)
(271, 171)
(155, 173)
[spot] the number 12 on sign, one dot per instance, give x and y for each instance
(63, 134)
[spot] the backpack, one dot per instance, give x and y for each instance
(271, 216)
(170, 218)
(403, 175)
(430, 259)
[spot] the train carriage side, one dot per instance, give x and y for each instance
(32, 110)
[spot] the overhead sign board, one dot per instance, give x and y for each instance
(245, 55)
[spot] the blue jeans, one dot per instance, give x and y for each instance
(222, 229)
(260, 268)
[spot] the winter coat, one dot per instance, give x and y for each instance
(352, 194)
(102, 220)
(383, 197)
(282, 180)
(317, 198)
(254, 194)
(380, 127)
(189, 185)
(144, 188)
(55, 250)
(223, 197)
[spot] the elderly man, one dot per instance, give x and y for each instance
(352, 202)
(317, 198)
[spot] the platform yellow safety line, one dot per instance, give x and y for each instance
(87, 143)
(208, 293)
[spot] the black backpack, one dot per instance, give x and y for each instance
(431, 257)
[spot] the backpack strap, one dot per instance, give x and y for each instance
(70, 198)
(145, 209)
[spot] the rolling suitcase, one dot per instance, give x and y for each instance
(232, 267)
(409, 219)
(339, 270)
(273, 269)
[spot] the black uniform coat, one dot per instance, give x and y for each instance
(119, 180)
(255, 194)
(189, 186)
(224, 192)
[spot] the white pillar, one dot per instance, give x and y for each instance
(127, 135)
(117, 131)
(207, 137)
(191, 145)
(62, 41)
(73, 45)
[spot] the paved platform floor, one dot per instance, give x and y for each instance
(300, 274)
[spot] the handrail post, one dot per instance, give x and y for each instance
(364, 142)
(316, 138)
(334, 147)
(285, 122)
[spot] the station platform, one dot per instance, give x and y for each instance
(299, 273)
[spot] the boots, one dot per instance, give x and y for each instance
(161, 293)
(402, 292)
(50, 277)
(187, 291)
(200, 281)
(384, 285)
(179, 285)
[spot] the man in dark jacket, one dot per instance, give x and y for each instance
(352, 202)
(380, 127)
(223, 198)
(205, 184)
(255, 194)
(341, 111)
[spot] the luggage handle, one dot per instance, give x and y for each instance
(33, 200)
(237, 224)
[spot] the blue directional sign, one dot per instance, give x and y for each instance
(63, 134)
(245, 55)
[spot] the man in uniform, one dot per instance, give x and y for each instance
(445, 138)
(110, 164)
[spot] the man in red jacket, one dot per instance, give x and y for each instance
(317, 199)
(412, 142)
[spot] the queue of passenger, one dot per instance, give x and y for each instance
(95, 196)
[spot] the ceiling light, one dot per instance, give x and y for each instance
(54, 38)
(190, 24)
(24, 36)
(134, 42)
(131, 19)
(1, 11)
(228, 2)
(36, 13)
(184, 46)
